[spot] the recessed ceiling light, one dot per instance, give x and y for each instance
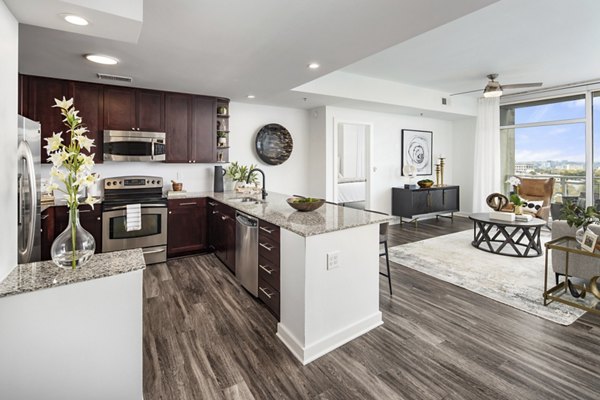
(313, 65)
(100, 59)
(251, 96)
(75, 19)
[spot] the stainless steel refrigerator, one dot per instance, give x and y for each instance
(28, 191)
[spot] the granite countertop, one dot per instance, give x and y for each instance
(328, 218)
(45, 274)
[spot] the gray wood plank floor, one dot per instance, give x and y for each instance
(206, 338)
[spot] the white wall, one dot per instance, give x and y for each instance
(317, 159)
(464, 160)
(387, 145)
(9, 32)
(246, 119)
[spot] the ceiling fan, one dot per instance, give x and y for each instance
(495, 89)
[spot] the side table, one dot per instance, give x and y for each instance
(561, 292)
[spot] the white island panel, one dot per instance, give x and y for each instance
(321, 308)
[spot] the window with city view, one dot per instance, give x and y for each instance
(547, 139)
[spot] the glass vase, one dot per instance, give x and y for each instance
(73, 237)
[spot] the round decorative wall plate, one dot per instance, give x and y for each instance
(274, 144)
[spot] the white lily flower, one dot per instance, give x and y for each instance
(513, 181)
(85, 142)
(81, 130)
(56, 173)
(54, 142)
(91, 201)
(64, 103)
(50, 188)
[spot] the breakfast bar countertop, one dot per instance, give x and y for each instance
(327, 218)
(45, 274)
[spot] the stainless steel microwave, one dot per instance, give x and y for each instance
(134, 146)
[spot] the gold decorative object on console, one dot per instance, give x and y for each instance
(442, 170)
(437, 175)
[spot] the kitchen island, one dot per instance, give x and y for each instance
(323, 304)
(73, 334)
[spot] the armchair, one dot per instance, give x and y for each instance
(538, 189)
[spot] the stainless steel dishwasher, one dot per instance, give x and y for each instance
(246, 252)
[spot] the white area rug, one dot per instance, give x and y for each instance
(517, 282)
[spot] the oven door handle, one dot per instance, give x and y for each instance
(153, 251)
(149, 205)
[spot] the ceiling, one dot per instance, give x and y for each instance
(551, 41)
(230, 48)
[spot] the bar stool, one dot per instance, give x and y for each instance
(383, 238)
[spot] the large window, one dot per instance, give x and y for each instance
(547, 139)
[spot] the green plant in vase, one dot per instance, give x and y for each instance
(239, 173)
(73, 170)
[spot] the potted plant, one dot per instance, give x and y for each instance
(73, 169)
(239, 173)
(221, 139)
(514, 197)
(579, 217)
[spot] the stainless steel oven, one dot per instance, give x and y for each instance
(151, 232)
(134, 146)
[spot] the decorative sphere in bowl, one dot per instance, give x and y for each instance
(305, 203)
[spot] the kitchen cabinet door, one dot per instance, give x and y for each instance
(150, 111)
(42, 92)
(230, 243)
(178, 119)
(119, 108)
(91, 221)
(88, 100)
(203, 135)
(187, 228)
(212, 215)
(47, 232)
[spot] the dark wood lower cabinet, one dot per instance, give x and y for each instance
(410, 202)
(56, 219)
(269, 256)
(187, 223)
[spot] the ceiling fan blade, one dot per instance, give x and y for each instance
(522, 85)
(470, 91)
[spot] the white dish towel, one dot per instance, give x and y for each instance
(133, 217)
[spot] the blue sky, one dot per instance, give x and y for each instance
(556, 143)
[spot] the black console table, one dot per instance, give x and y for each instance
(439, 200)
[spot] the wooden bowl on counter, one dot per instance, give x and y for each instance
(305, 203)
(177, 186)
(425, 184)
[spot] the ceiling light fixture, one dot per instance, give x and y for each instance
(313, 65)
(251, 96)
(492, 89)
(101, 59)
(75, 19)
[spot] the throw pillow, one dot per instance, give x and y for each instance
(532, 206)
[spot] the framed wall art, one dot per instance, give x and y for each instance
(417, 149)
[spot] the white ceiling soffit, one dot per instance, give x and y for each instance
(108, 19)
(549, 41)
(234, 48)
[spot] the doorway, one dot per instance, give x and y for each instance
(352, 183)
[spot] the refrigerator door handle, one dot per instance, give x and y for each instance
(24, 154)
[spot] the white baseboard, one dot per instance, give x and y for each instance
(307, 354)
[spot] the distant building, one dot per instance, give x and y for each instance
(524, 168)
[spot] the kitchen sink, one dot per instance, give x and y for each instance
(248, 200)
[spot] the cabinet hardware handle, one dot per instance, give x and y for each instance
(212, 204)
(269, 295)
(262, 228)
(170, 212)
(98, 218)
(266, 246)
(153, 251)
(188, 204)
(267, 270)
(44, 217)
(84, 211)
(215, 212)
(224, 217)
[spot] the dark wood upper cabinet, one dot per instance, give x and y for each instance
(119, 108)
(178, 121)
(150, 111)
(87, 98)
(23, 90)
(203, 140)
(41, 95)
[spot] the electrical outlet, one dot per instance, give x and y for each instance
(333, 260)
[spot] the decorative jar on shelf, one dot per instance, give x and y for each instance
(74, 246)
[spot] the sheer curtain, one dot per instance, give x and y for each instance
(486, 176)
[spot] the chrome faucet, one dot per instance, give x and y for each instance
(264, 188)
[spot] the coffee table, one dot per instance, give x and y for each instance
(516, 238)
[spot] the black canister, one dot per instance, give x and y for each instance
(219, 173)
